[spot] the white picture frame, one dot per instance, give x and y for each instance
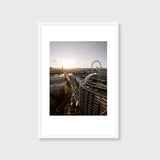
(78, 126)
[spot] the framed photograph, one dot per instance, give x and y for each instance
(78, 80)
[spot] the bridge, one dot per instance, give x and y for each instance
(72, 84)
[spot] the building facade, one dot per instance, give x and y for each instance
(93, 94)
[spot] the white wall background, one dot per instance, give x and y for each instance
(139, 79)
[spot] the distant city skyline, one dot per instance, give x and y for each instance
(77, 54)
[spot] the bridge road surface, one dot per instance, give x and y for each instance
(74, 95)
(72, 86)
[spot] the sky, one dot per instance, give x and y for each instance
(77, 54)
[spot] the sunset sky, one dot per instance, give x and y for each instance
(77, 54)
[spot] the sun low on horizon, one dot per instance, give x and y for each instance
(67, 63)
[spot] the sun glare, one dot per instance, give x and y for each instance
(67, 64)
